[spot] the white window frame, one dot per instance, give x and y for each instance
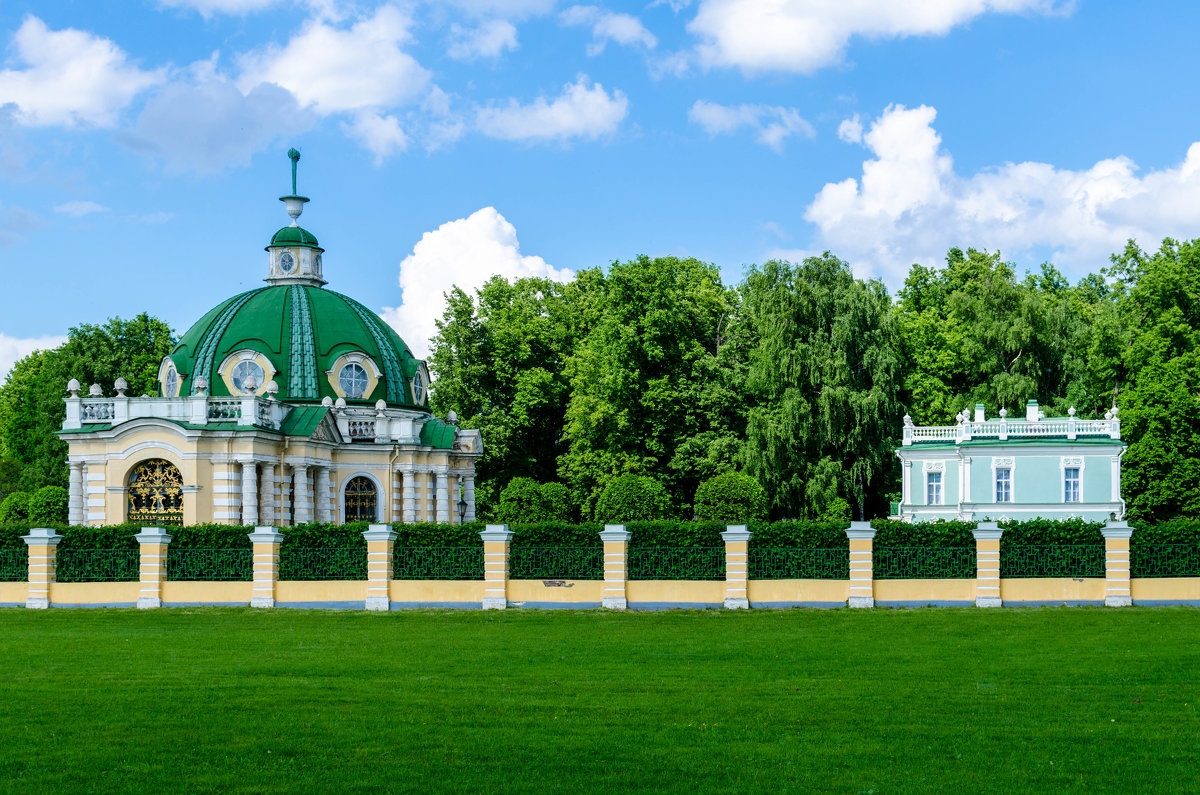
(1005, 463)
(1070, 462)
(933, 479)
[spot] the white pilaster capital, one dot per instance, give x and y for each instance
(42, 536)
(1116, 529)
(379, 532)
(496, 532)
(987, 531)
(265, 535)
(860, 531)
(153, 535)
(735, 533)
(614, 533)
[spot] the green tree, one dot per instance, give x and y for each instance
(648, 392)
(15, 508)
(499, 359)
(31, 398)
(823, 373)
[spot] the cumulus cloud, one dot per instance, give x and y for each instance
(211, 124)
(335, 69)
(488, 39)
(910, 205)
(806, 35)
(607, 26)
(381, 135)
(466, 253)
(772, 124)
(13, 349)
(70, 77)
(580, 111)
(78, 209)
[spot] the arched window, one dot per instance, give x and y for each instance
(360, 500)
(156, 493)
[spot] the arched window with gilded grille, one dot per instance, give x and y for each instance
(361, 500)
(155, 493)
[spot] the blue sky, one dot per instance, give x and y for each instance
(142, 143)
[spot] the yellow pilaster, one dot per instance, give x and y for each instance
(616, 566)
(42, 543)
(152, 565)
(266, 542)
(737, 566)
(1116, 564)
(862, 577)
(987, 564)
(381, 541)
(496, 540)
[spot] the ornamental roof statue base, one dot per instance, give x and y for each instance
(283, 405)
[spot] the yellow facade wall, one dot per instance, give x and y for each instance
(571, 591)
(1052, 589)
(675, 592)
(94, 593)
(321, 591)
(436, 591)
(207, 592)
(791, 591)
(1166, 589)
(14, 592)
(925, 590)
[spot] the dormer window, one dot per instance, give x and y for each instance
(168, 376)
(247, 377)
(353, 379)
(246, 372)
(287, 262)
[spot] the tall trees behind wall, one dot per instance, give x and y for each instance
(801, 374)
(798, 376)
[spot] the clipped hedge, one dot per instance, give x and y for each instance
(893, 533)
(798, 535)
(15, 508)
(731, 497)
(670, 534)
(633, 498)
(48, 505)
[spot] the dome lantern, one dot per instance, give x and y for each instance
(294, 256)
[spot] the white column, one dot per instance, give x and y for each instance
(410, 498)
(249, 493)
(966, 480)
(300, 494)
(906, 496)
(321, 489)
(75, 510)
(469, 496)
(266, 495)
(443, 496)
(1116, 479)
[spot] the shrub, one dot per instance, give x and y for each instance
(559, 505)
(633, 498)
(731, 497)
(522, 500)
(48, 506)
(838, 510)
(15, 508)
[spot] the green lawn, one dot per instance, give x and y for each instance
(878, 701)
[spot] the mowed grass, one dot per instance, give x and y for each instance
(794, 700)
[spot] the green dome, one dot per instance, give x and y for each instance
(294, 236)
(302, 331)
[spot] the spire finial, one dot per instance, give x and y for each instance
(294, 202)
(294, 156)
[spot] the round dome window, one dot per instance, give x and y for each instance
(243, 372)
(353, 380)
(171, 383)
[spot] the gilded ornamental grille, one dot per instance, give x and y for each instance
(156, 493)
(360, 500)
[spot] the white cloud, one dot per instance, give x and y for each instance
(466, 253)
(207, 8)
(13, 349)
(335, 69)
(607, 26)
(211, 124)
(379, 134)
(851, 130)
(806, 35)
(78, 209)
(579, 112)
(71, 77)
(486, 40)
(773, 124)
(15, 222)
(909, 205)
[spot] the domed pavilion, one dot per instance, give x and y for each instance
(285, 404)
